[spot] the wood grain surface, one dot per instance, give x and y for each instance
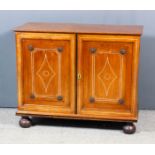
(81, 28)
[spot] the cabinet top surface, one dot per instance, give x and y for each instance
(81, 28)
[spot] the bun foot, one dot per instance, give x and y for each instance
(25, 122)
(129, 128)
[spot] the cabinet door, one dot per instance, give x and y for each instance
(107, 68)
(46, 72)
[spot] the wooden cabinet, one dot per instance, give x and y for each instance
(78, 71)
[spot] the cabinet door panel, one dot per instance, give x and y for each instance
(48, 64)
(105, 65)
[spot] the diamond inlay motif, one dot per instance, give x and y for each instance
(45, 73)
(107, 76)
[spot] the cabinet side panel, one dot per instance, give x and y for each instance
(19, 68)
(135, 68)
